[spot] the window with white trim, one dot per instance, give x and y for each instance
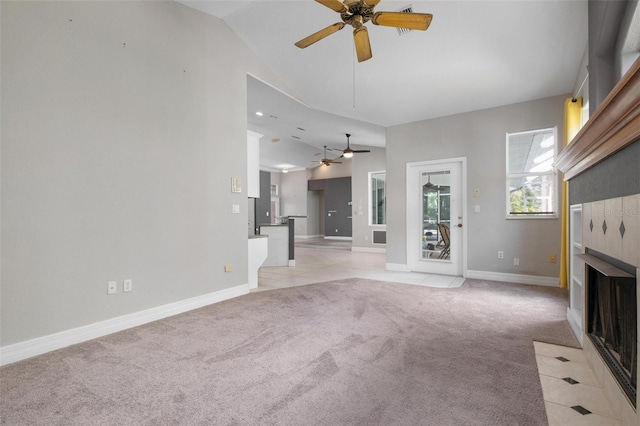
(378, 198)
(531, 175)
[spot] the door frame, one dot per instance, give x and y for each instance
(412, 204)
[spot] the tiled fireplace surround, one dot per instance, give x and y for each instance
(612, 227)
(602, 165)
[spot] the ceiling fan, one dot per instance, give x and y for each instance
(348, 152)
(327, 161)
(430, 186)
(358, 12)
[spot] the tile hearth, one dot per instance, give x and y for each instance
(572, 395)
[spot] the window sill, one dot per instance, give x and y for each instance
(529, 217)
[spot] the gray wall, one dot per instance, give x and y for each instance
(361, 165)
(616, 176)
(332, 171)
(479, 136)
(314, 216)
(117, 160)
(605, 18)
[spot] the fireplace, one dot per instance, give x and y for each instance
(601, 165)
(611, 321)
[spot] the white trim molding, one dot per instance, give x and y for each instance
(339, 238)
(40, 345)
(369, 249)
(513, 278)
(575, 322)
(398, 267)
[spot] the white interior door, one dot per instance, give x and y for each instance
(435, 206)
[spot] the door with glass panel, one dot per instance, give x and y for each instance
(434, 217)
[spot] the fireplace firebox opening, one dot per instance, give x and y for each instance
(612, 319)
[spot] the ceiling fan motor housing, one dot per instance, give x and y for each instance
(357, 14)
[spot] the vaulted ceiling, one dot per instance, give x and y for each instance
(476, 54)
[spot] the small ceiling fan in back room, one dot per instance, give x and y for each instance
(357, 13)
(327, 161)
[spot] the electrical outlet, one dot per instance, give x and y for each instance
(112, 287)
(516, 261)
(500, 255)
(552, 258)
(128, 285)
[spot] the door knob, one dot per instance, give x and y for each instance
(459, 225)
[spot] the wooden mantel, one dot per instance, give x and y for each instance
(615, 124)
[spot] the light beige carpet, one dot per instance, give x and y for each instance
(350, 352)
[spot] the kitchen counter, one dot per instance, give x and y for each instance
(280, 251)
(258, 250)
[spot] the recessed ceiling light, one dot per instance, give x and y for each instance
(285, 171)
(259, 114)
(275, 140)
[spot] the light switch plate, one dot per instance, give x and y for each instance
(236, 184)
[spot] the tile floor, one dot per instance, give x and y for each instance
(569, 387)
(325, 264)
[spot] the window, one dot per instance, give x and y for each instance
(436, 204)
(531, 176)
(378, 198)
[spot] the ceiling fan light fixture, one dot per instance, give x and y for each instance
(347, 153)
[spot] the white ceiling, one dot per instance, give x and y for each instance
(476, 54)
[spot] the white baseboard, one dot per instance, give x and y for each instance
(513, 278)
(369, 249)
(399, 267)
(339, 238)
(41, 345)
